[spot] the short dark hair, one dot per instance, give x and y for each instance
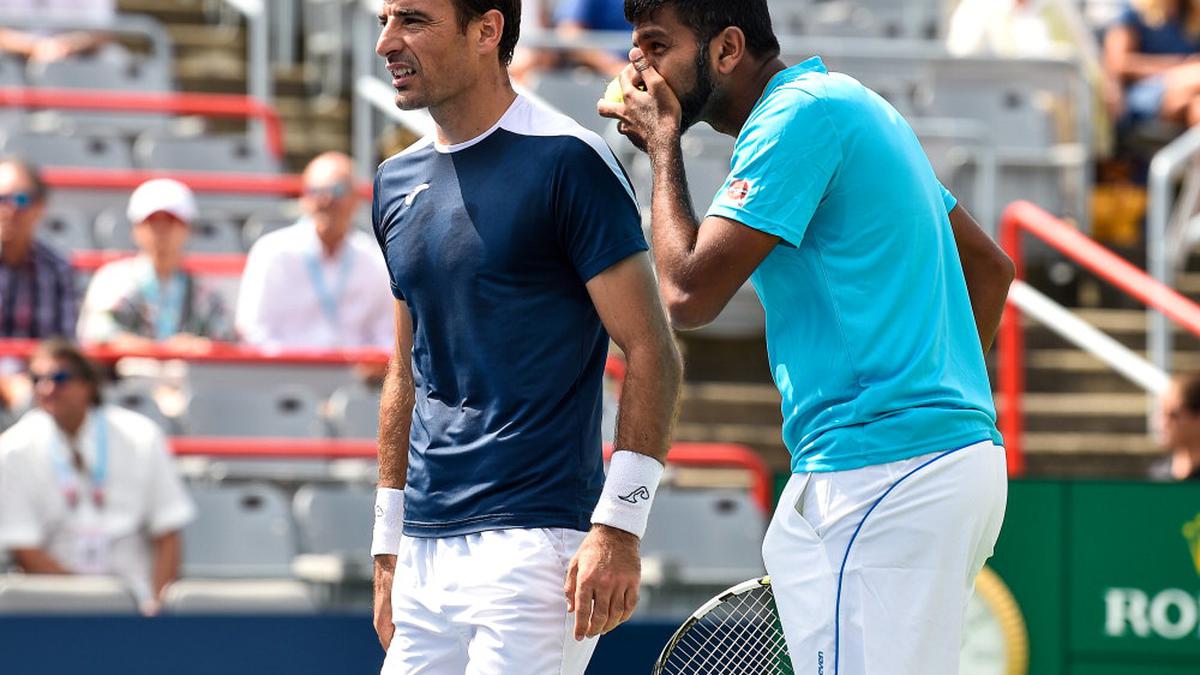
(61, 349)
(31, 171)
(1189, 392)
(707, 18)
(469, 10)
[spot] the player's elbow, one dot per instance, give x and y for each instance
(688, 311)
(1002, 268)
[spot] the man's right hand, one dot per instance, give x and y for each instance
(385, 569)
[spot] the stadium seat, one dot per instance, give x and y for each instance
(112, 68)
(336, 521)
(574, 92)
(75, 150)
(210, 233)
(66, 229)
(240, 531)
(265, 221)
(57, 594)
(230, 153)
(354, 411)
(240, 596)
(138, 395)
(284, 411)
(11, 72)
(708, 537)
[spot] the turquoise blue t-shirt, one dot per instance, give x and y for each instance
(870, 333)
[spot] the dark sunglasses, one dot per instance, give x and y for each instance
(19, 200)
(335, 191)
(58, 377)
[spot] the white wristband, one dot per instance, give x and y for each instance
(389, 521)
(628, 492)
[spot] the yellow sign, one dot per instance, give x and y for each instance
(1191, 532)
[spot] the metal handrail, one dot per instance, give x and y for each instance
(1165, 169)
(258, 80)
(1026, 217)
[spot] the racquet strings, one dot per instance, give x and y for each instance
(740, 636)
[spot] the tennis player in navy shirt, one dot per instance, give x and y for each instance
(515, 250)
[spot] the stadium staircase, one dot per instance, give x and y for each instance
(211, 58)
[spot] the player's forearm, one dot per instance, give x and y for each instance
(37, 561)
(395, 423)
(168, 551)
(650, 396)
(673, 224)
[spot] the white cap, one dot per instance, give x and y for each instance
(162, 194)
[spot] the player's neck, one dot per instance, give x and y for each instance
(742, 94)
(475, 111)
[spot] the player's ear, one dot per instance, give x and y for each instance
(491, 30)
(728, 49)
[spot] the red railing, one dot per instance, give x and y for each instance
(1026, 217)
(706, 455)
(206, 105)
(283, 185)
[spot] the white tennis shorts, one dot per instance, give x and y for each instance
(490, 603)
(872, 568)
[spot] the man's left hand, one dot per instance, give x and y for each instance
(602, 581)
(650, 114)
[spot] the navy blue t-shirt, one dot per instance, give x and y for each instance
(1171, 38)
(490, 244)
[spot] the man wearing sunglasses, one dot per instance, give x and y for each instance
(38, 296)
(88, 488)
(318, 284)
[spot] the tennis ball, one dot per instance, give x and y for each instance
(614, 94)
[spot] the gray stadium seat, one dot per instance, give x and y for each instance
(241, 596)
(354, 411)
(76, 150)
(227, 153)
(67, 230)
(706, 536)
(240, 531)
(12, 72)
(210, 234)
(574, 92)
(57, 594)
(113, 68)
(283, 411)
(336, 520)
(138, 396)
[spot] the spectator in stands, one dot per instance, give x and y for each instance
(1152, 50)
(88, 488)
(573, 17)
(321, 283)
(37, 44)
(1179, 430)
(149, 299)
(535, 18)
(38, 297)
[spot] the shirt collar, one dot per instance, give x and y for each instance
(812, 65)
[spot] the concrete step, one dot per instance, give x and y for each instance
(1126, 326)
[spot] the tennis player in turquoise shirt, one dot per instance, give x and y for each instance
(882, 295)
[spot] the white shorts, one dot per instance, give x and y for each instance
(490, 603)
(872, 568)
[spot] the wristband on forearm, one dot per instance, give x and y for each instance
(628, 492)
(389, 521)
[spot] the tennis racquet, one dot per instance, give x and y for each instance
(736, 632)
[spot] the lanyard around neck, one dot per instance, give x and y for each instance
(68, 475)
(166, 305)
(329, 298)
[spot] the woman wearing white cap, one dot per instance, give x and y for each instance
(149, 299)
